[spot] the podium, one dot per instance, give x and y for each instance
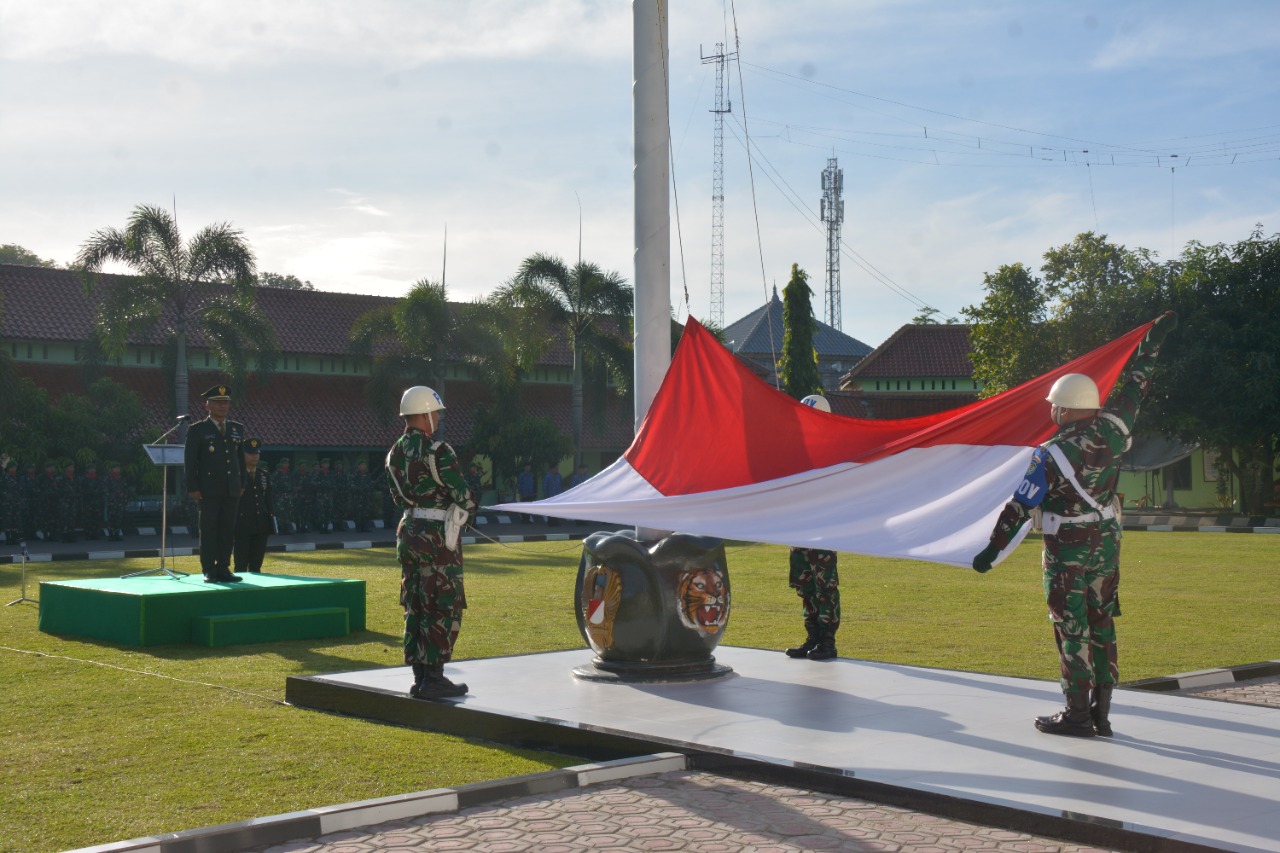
(166, 456)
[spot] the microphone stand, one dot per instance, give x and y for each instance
(162, 444)
(22, 543)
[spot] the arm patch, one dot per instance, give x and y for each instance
(1035, 484)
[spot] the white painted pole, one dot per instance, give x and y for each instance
(652, 177)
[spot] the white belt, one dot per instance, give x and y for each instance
(429, 514)
(1052, 521)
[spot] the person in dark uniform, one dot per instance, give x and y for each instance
(255, 517)
(117, 495)
(92, 502)
(67, 512)
(214, 466)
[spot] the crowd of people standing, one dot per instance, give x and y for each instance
(63, 502)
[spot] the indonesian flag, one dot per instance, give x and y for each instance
(721, 453)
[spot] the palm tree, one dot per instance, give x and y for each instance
(409, 341)
(205, 286)
(592, 308)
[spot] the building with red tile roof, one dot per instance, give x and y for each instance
(921, 369)
(313, 404)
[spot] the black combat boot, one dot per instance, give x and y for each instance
(435, 686)
(419, 673)
(826, 648)
(1074, 720)
(1101, 709)
(810, 642)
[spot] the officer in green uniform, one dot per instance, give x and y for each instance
(816, 580)
(255, 516)
(361, 496)
(322, 494)
(341, 496)
(304, 505)
(427, 484)
(1072, 480)
(214, 464)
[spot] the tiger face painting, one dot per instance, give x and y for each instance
(703, 600)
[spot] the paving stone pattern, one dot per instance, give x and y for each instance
(693, 811)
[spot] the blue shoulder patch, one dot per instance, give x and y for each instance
(1035, 484)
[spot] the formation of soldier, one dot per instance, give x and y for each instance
(62, 503)
(321, 501)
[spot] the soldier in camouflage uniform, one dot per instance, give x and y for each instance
(303, 504)
(14, 503)
(67, 514)
(361, 496)
(427, 484)
(46, 497)
(341, 496)
(816, 581)
(1072, 480)
(117, 494)
(322, 491)
(282, 489)
(92, 502)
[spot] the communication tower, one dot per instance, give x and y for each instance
(723, 105)
(832, 212)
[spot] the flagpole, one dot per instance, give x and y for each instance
(652, 180)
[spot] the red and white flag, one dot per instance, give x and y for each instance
(721, 453)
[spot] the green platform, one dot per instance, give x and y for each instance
(155, 610)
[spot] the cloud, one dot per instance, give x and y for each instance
(392, 33)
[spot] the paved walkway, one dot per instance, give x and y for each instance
(702, 812)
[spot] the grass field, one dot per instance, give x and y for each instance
(103, 742)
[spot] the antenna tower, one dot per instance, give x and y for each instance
(832, 212)
(723, 105)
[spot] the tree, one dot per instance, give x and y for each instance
(11, 253)
(204, 286)
(798, 366)
(591, 308)
(409, 341)
(284, 282)
(928, 317)
(1222, 382)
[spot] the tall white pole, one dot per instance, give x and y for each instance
(652, 177)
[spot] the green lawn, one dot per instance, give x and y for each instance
(103, 742)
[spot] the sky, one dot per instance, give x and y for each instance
(346, 138)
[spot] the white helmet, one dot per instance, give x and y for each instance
(419, 400)
(817, 401)
(1074, 391)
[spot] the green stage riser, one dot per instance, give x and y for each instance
(156, 610)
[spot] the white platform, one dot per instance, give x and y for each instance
(1181, 769)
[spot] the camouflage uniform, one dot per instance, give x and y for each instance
(322, 492)
(11, 514)
(282, 490)
(424, 473)
(92, 503)
(361, 497)
(341, 496)
(1082, 558)
(304, 505)
(816, 581)
(66, 517)
(117, 490)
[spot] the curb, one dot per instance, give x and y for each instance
(313, 823)
(1207, 677)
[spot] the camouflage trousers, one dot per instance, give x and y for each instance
(431, 591)
(816, 581)
(1082, 589)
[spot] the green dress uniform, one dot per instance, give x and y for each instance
(816, 580)
(255, 520)
(426, 480)
(214, 462)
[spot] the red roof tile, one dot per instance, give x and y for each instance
(917, 350)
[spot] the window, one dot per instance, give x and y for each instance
(1179, 473)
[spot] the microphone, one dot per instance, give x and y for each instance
(184, 417)
(22, 543)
